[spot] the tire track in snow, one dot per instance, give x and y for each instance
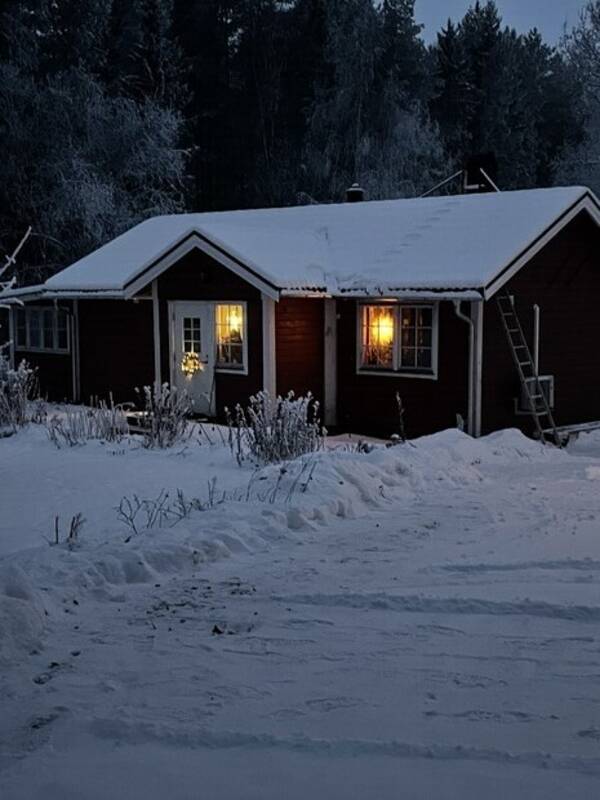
(445, 605)
(148, 732)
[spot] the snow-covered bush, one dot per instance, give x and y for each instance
(165, 418)
(270, 431)
(76, 426)
(17, 387)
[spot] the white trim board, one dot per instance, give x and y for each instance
(269, 344)
(193, 241)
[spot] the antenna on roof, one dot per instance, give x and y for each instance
(489, 180)
(443, 183)
(478, 176)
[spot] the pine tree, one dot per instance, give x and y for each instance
(144, 58)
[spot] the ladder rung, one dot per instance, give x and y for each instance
(514, 330)
(525, 363)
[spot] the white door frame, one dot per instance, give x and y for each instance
(193, 306)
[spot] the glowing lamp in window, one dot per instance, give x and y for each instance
(230, 325)
(378, 335)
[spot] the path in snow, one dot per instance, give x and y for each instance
(445, 649)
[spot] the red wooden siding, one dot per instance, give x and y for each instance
(116, 346)
(198, 277)
(367, 404)
(564, 280)
(299, 327)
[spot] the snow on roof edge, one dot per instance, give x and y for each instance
(228, 231)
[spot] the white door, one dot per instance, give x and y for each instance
(193, 353)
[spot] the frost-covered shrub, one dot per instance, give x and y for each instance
(165, 419)
(270, 431)
(17, 387)
(80, 425)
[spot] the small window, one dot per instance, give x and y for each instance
(43, 329)
(398, 338)
(21, 328)
(192, 342)
(230, 331)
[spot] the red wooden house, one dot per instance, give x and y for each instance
(354, 302)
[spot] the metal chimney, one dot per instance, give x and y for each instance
(355, 194)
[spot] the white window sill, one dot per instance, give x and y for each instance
(431, 376)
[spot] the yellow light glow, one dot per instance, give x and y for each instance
(381, 327)
(191, 364)
(230, 323)
(235, 320)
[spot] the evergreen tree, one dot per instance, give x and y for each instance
(144, 58)
(80, 164)
(579, 163)
(367, 123)
(503, 93)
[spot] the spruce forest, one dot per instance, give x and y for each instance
(115, 110)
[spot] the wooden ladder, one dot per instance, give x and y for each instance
(528, 374)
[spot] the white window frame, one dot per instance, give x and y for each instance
(399, 371)
(227, 370)
(29, 311)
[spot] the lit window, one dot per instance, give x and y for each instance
(397, 338)
(44, 329)
(230, 335)
(378, 334)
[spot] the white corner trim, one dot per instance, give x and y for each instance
(269, 346)
(191, 242)
(585, 204)
(75, 352)
(156, 333)
(477, 311)
(330, 363)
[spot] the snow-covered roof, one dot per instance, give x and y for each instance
(455, 243)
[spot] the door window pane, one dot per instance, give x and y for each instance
(192, 342)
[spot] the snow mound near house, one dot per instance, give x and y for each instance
(21, 613)
(278, 503)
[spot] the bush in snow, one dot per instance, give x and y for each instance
(17, 386)
(270, 431)
(165, 416)
(163, 511)
(78, 426)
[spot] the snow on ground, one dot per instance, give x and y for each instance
(419, 621)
